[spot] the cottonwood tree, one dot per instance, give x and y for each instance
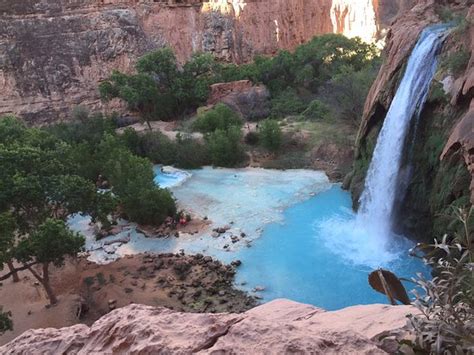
(38, 190)
(7, 243)
(48, 245)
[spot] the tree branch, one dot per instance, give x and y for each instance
(21, 268)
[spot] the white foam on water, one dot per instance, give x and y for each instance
(357, 244)
(169, 177)
(247, 199)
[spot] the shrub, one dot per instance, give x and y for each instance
(252, 138)
(182, 269)
(270, 134)
(458, 61)
(80, 113)
(224, 147)
(437, 93)
(220, 117)
(346, 92)
(316, 110)
(445, 325)
(190, 153)
(149, 206)
(159, 148)
(287, 103)
(5, 321)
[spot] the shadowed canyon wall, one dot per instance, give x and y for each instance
(53, 53)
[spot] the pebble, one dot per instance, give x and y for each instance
(236, 263)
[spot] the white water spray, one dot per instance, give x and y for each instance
(377, 200)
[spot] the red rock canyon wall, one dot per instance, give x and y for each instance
(53, 53)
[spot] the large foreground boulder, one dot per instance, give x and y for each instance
(278, 327)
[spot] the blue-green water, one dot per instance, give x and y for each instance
(295, 260)
(311, 250)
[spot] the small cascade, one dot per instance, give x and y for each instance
(381, 185)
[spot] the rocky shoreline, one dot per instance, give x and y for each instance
(186, 283)
(88, 291)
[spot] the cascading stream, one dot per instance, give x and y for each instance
(378, 198)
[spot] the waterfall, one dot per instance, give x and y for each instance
(378, 198)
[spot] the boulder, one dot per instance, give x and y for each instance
(278, 327)
(252, 102)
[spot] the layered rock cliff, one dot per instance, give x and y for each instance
(54, 53)
(279, 327)
(439, 149)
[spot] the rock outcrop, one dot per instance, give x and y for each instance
(250, 101)
(54, 53)
(462, 90)
(279, 327)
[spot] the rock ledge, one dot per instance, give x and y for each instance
(280, 326)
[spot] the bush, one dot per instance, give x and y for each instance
(316, 110)
(347, 91)
(457, 62)
(89, 131)
(220, 117)
(80, 114)
(287, 103)
(5, 321)
(186, 152)
(270, 135)
(149, 206)
(252, 138)
(445, 323)
(225, 148)
(190, 153)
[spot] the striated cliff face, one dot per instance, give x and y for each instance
(280, 326)
(53, 53)
(441, 156)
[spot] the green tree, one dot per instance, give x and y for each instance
(150, 206)
(220, 117)
(37, 183)
(141, 94)
(132, 180)
(193, 82)
(161, 65)
(286, 103)
(7, 243)
(316, 110)
(159, 90)
(346, 92)
(49, 244)
(191, 153)
(270, 135)
(225, 147)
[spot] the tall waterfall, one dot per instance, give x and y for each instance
(378, 199)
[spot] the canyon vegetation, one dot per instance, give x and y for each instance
(263, 150)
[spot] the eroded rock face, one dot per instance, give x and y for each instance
(280, 326)
(54, 53)
(462, 136)
(250, 101)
